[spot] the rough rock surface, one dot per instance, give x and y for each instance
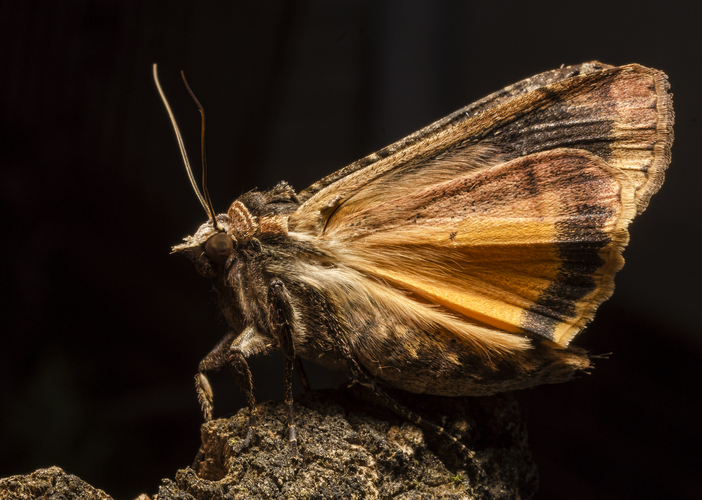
(350, 447)
(51, 483)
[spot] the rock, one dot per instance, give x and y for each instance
(49, 484)
(349, 447)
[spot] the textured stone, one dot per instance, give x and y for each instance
(49, 484)
(349, 447)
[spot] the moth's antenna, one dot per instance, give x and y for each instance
(202, 149)
(189, 170)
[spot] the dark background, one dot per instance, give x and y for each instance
(102, 329)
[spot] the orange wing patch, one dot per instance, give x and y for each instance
(529, 246)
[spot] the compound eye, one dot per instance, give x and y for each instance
(219, 247)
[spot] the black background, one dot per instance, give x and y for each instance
(102, 329)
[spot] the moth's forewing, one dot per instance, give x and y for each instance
(510, 214)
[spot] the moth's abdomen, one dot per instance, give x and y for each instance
(434, 362)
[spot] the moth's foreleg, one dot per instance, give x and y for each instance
(216, 359)
(233, 350)
(282, 318)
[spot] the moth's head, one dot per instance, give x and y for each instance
(212, 248)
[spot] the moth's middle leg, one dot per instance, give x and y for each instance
(282, 318)
(249, 343)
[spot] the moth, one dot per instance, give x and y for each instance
(461, 260)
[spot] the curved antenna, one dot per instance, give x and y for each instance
(208, 200)
(189, 170)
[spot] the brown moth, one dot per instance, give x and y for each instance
(461, 260)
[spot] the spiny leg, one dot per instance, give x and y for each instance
(292, 430)
(242, 373)
(248, 343)
(215, 360)
(413, 417)
(281, 317)
(232, 351)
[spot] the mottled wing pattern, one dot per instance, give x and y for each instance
(513, 211)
